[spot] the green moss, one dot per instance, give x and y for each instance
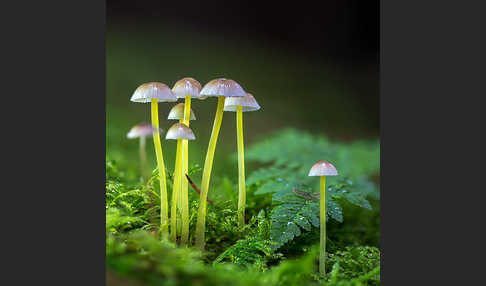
(267, 250)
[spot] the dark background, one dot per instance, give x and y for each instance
(324, 52)
(310, 66)
(346, 30)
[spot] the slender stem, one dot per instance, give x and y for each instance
(179, 186)
(322, 250)
(241, 167)
(185, 186)
(160, 164)
(208, 165)
(175, 194)
(143, 159)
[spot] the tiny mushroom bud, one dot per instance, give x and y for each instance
(221, 88)
(239, 105)
(180, 131)
(141, 130)
(186, 88)
(177, 113)
(322, 169)
(155, 92)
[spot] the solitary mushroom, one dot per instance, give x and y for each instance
(322, 169)
(240, 105)
(186, 88)
(142, 131)
(220, 88)
(177, 113)
(155, 92)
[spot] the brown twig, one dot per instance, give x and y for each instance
(307, 195)
(196, 188)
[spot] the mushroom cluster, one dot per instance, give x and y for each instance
(231, 97)
(188, 88)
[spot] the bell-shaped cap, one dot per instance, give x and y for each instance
(141, 130)
(248, 103)
(158, 90)
(180, 131)
(323, 168)
(222, 87)
(187, 86)
(177, 112)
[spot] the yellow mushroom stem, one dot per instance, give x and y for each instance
(241, 167)
(208, 165)
(322, 250)
(143, 159)
(179, 186)
(164, 215)
(185, 186)
(175, 194)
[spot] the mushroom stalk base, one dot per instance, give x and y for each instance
(208, 165)
(322, 249)
(241, 167)
(185, 186)
(160, 164)
(175, 194)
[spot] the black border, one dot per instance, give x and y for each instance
(53, 55)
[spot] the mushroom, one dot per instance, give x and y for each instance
(155, 92)
(185, 88)
(220, 88)
(322, 169)
(177, 113)
(142, 131)
(240, 105)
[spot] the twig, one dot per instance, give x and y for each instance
(307, 195)
(196, 188)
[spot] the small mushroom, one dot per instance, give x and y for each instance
(239, 105)
(180, 131)
(177, 113)
(142, 131)
(322, 169)
(155, 92)
(186, 88)
(220, 88)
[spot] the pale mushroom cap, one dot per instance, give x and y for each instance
(180, 131)
(222, 87)
(141, 130)
(158, 90)
(248, 103)
(323, 168)
(187, 86)
(177, 112)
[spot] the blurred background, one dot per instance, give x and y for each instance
(310, 66)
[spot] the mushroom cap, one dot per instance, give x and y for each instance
(187, 86)
(323, 168)
(222, 87)
(149, 90)
(177, 112)
(180, 131)
(141, 130)
(248, 103)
